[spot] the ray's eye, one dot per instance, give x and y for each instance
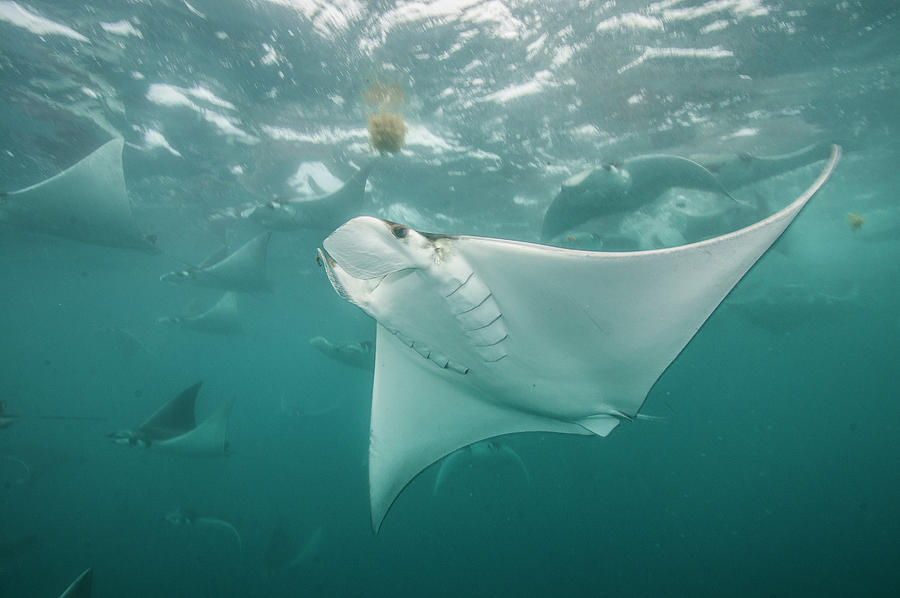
(399, 231)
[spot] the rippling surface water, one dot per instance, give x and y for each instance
(775, 472)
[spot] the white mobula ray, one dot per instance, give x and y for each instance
(480, 337)
(86, 202)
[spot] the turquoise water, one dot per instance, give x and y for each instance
(774, 473)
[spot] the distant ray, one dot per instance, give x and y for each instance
(738, 170)
(484, 451)
(614, 189)
(221, 318)
(244, 269)
(125, 343)
(287, 548)
(173, 428)
(184, 517)
(86, 202)
(618, 188)
(322, 213)
(359, 354)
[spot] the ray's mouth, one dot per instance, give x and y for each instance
(323, 259)
(326, 261)
(346, 285)
(333, 271)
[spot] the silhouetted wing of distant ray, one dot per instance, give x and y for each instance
(242, 270)
(175, 417)
(209, 439)
(481, 337)
(323, 213)
(86, 202)
(221, 318)
(81, 587)
(737, 170)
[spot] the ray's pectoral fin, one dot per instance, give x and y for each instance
(421, 413)
(87, 202)
(81, 587)
(206, 440)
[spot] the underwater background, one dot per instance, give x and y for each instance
(775, 472)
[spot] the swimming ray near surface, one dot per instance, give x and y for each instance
(86, 202)
(321, 213)
(173, 428)
(221, 318)
(638, 181)
(81, 587)
(480, 337)
(184, 517)
(244, 269)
